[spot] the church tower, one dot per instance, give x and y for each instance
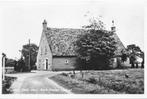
(113, 28)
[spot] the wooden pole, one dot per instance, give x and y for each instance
(3, 66)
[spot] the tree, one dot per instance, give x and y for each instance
(134, 48)
(15, 65)
(132, 59)
(20, 67)
(134, 51)
(142, 56)
(95, 48)
(124, 56)
(33, 48)
(10, 62)
(95, 24)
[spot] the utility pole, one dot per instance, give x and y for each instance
(29, 56)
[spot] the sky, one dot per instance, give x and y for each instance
(22, 20)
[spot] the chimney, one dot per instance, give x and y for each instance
(44, 25)
(113, 28)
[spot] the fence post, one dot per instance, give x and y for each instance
(3, 66)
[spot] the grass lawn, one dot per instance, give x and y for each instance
(128, 81)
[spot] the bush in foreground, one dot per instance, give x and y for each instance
(6, 84)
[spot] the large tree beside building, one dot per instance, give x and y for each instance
(29, 52)
(96, 48)
(133, 51)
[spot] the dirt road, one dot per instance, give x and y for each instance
(36, 83)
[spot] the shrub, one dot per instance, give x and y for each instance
(71, 75)
(64, 74)
(92, 80)
(6, 84)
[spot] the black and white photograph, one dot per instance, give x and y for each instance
(91, 48)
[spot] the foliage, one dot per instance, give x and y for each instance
(142, 56)
(95, 24)
(6, 84)
(134, 51)
(92, 80)
(64, 74)
(124, 56)
(10, 62)
(134, 48)
(95, 48)
(20, 67)
(33, 48)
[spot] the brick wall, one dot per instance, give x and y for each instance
(63, 63)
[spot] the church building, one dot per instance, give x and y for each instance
(57, 47)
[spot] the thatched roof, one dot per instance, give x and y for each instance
(61, 41)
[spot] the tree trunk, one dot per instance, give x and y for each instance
(132, 65)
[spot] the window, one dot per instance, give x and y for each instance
(66, 62)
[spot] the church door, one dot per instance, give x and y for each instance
(46, 64)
